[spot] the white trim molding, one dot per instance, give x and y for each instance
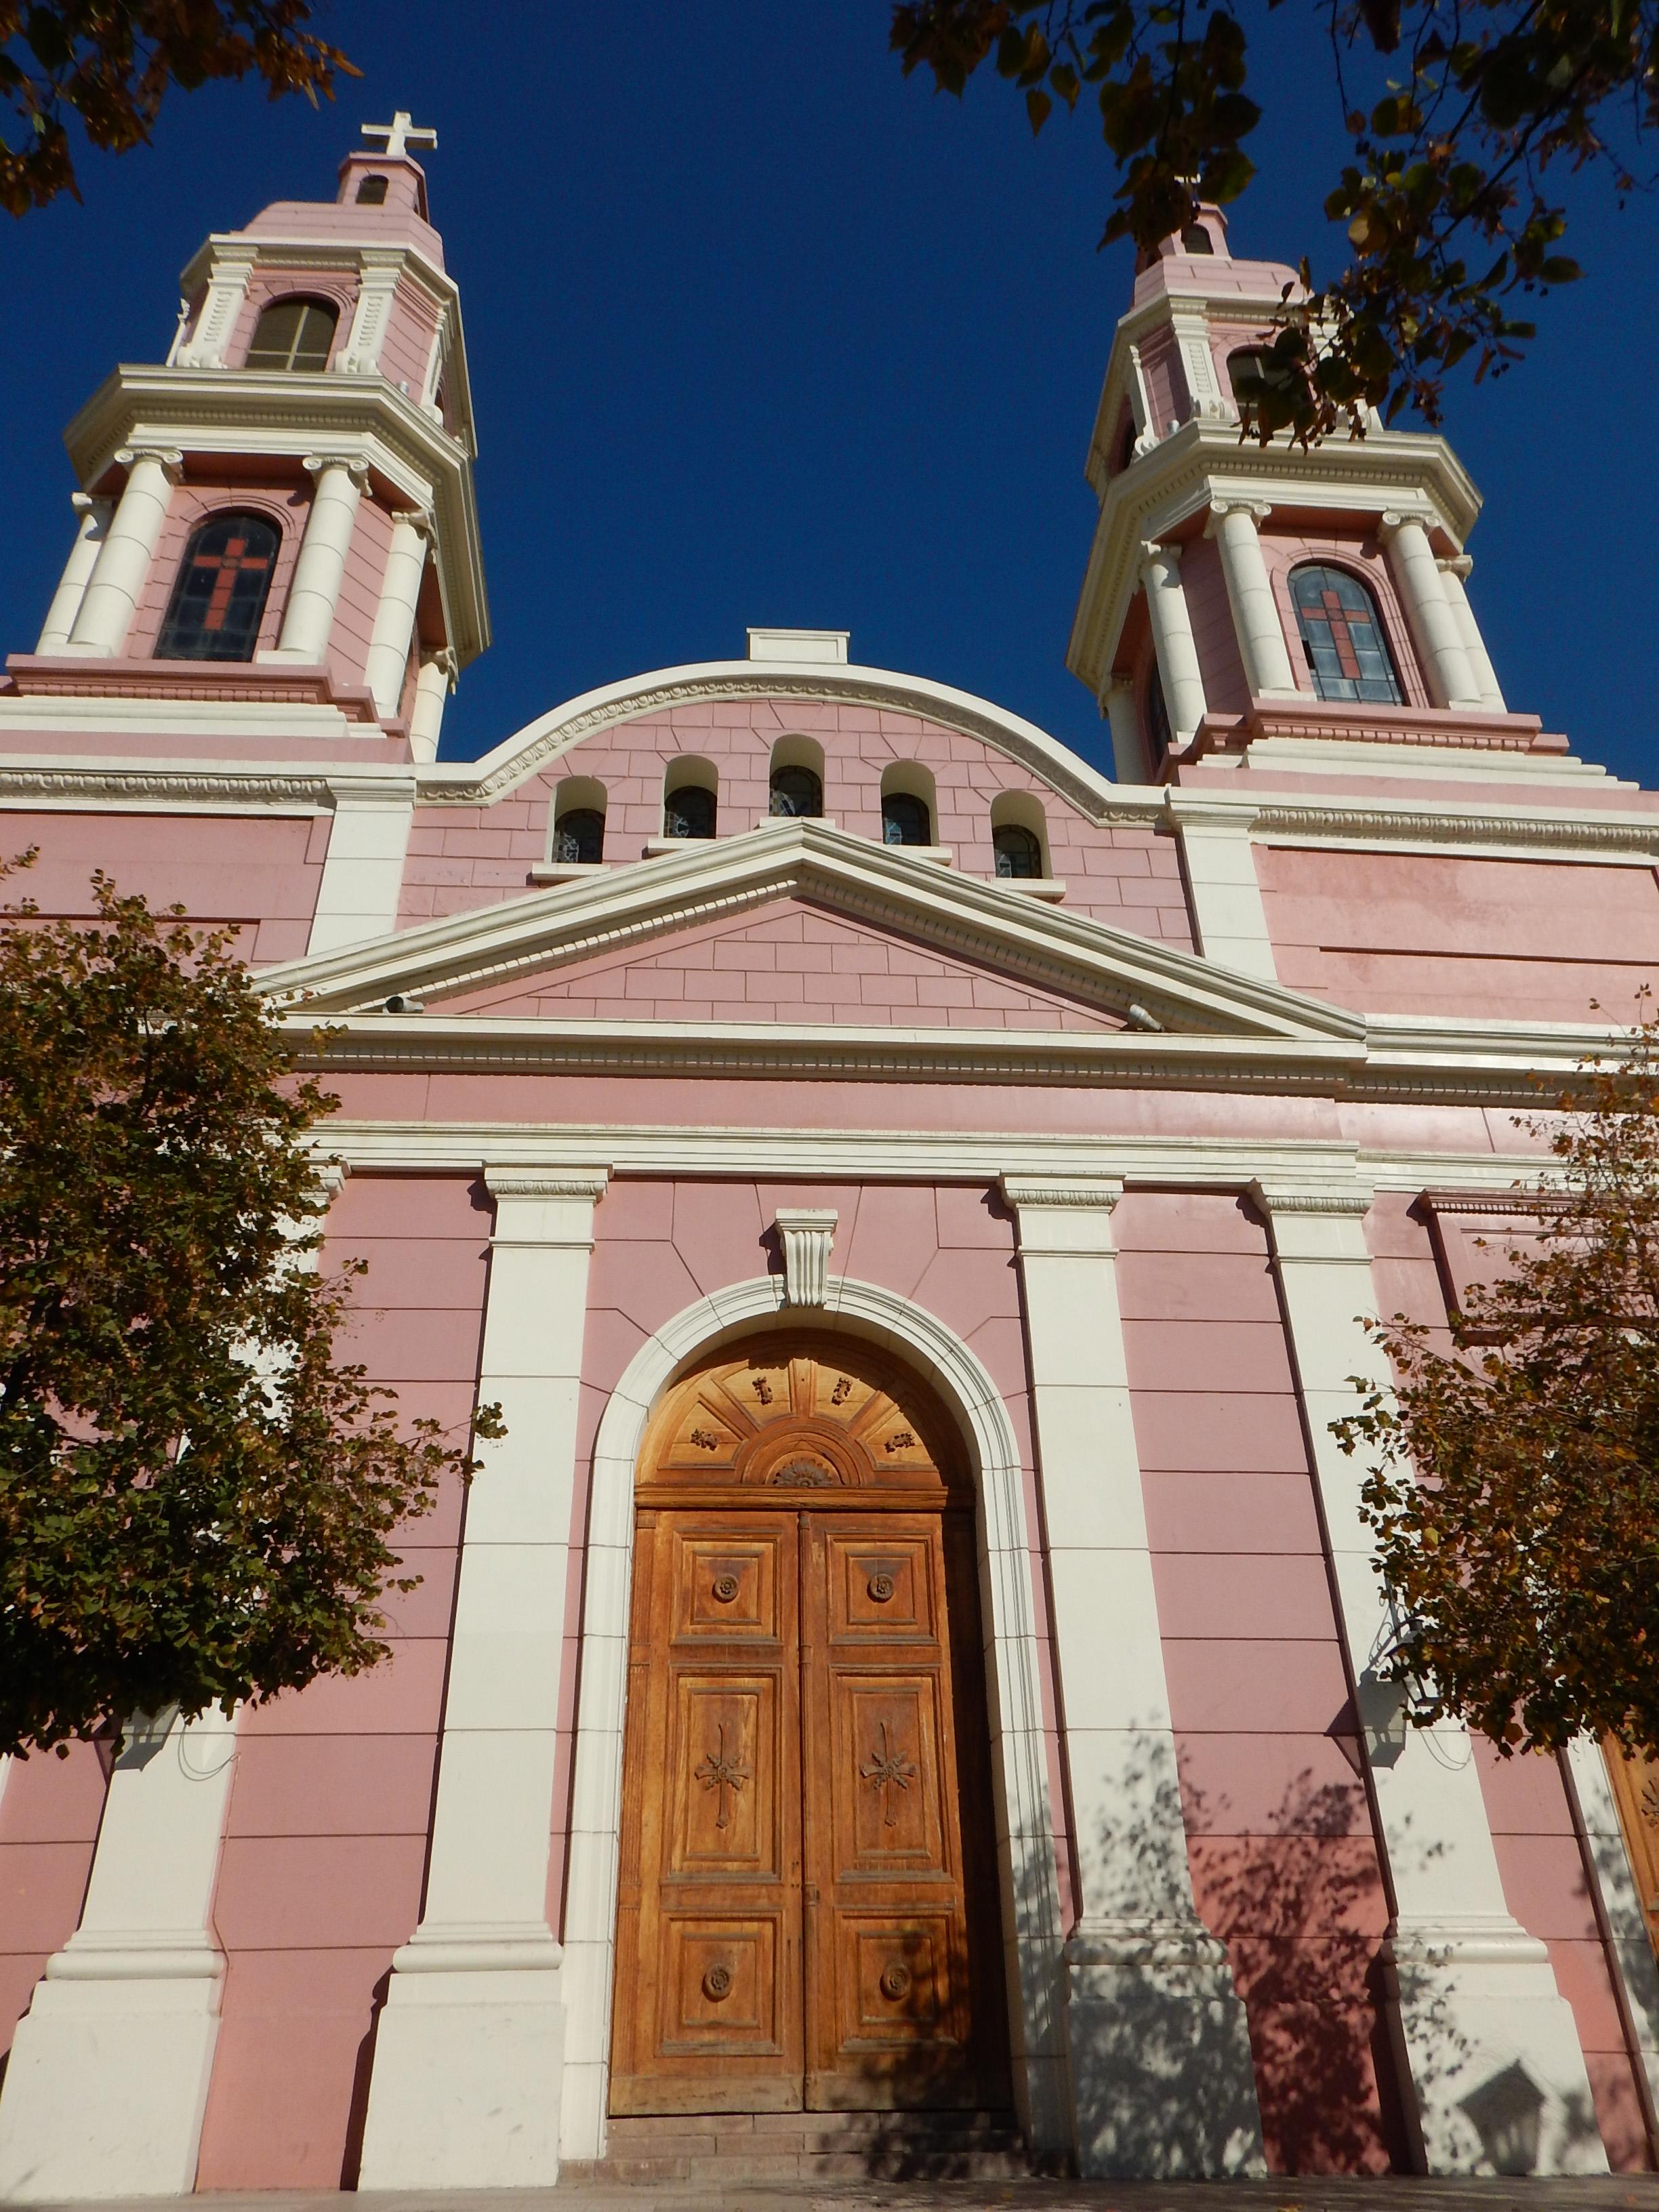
(1032, 1929)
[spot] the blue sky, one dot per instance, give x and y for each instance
(762, 333)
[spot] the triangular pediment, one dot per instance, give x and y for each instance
(516, 960)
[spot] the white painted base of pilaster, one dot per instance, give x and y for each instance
(466, 2093)
(105, 2088)
(1163, 2082)
(1483, 2024)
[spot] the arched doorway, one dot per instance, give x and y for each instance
(807, 1910)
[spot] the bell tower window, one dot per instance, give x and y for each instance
(1342, 637)
(294, 335)
(372, 192)
(220, 592)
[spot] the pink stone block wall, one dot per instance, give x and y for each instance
(659, 1245)
(1440, 933)
(793, 962)
(360, 592)
(326, 1834)
(1284, 1864)
(256, 874)
(1226, 690)
(49, 1810)
(466, 857)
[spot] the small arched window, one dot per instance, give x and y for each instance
(906, 819)
(1197, 240)
(579, 840)
(797, 791)
(1018, 853)
(688, 812)
(1342, 636)
(220, 592)
(294, 334)
(372, 192)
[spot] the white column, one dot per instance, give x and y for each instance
(433, 686)
(1172, 638)
(1129, 764)
(216, 326)
(94, 516)
(1472, 1995)
(1218, 858)
(108, 2076)
(394, 619)
(1261, 634)
(1453, 579)
(470, 2049)
(363, 874)
(320, 571)
(122, 567)
(1440, 647)
(1151, 1996)
(1621, 1901)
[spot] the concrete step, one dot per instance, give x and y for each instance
(735, 2149)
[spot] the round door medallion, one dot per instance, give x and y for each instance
(725, 1588)
(880, 1588)
(717, 1983)
(896, 1981)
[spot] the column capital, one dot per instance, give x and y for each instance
(1460, 565)
(442, 657)
(1221, 507)
(83, 503)
(1154, 555)
(1301, 1198)
(354, 464)
(168, 459)
(547, 1183)
(1028, 1191)
(1392, 520)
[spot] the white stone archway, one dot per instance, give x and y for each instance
(1033, 1932)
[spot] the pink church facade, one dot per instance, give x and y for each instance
(781, 1005)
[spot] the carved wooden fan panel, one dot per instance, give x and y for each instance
(805, 1416)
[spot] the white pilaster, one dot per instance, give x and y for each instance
(122, 567)
(1219, 860)
(1454, 577)
(433, 685)
(1249, 591)
(320, 571)
(1150, 1998)
(1129, 763)
(363, 874)
(1172, 639)
(1439, 638)
(376, 289)
(1633, 1961)
(394, 619)
(1472, 1995)
(470, 2048)
(93, 525)
(228, 282)
(107, 2079)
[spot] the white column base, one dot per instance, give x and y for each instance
(469, 2059)
(1163, 2083)
(106, 2086)
(1491, 2053)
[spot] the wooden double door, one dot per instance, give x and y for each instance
(806, 1914)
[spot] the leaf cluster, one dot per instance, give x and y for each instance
(1515, 1482)
(109, 62)
(1445, 207)
(196, 1499)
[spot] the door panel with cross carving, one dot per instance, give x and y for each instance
(806, 1914)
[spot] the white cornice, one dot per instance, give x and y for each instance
(959, 916)
(194, 787)
(259, 414)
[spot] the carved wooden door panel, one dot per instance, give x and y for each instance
(708, 2005)
(889, 2019)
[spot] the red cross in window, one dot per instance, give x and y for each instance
(1342, 636)
(236, 561)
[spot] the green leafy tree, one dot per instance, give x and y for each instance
(109, 64)
(197, 1499)
(1461, 119)
(1515, 1490)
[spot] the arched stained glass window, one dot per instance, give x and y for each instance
(905, 820)
(1342, 636)
(688, 812)
(1017, 851)
(220, 591)
(796, 791)
(294, 334)
(580, 836)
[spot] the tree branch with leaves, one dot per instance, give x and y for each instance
(1461, 115)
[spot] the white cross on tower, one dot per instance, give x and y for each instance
(400, 134)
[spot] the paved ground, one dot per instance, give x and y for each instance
(1620, 2193)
